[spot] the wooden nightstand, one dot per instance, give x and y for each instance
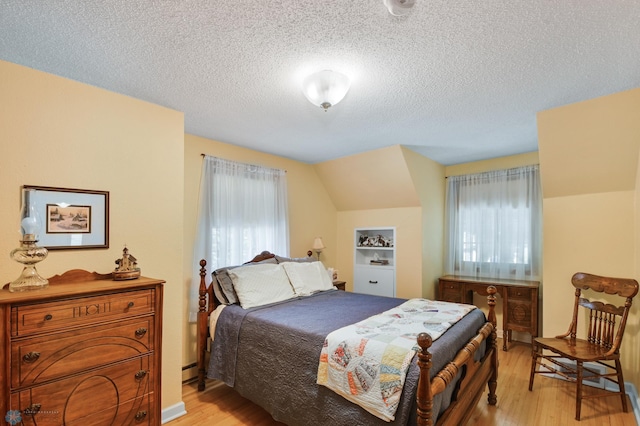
(339, 285)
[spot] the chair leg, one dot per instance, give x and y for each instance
(534, 360)
(623, 396)
(578, 389)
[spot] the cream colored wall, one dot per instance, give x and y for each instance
(60, 133)
(589, 165)
(377, 179)
(408, 224)
(429, 181)
(590, 146)
(311, 212)
(582, 235)
(633, 324)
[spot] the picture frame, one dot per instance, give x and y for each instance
(71, 218)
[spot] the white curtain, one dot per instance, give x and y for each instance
(494, 224)
(242, 211)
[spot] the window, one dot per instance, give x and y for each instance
(243, 211)
(493, 224)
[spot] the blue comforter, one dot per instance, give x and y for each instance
(270, 354)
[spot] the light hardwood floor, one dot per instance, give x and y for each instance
(552, 402)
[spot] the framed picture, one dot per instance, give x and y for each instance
(72, 218)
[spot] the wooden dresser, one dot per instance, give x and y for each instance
(85, 350)
(520, 300)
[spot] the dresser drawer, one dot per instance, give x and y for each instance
(519, 293)
(39, 359)
(374, 280)
(519, 316)
(44, 317)
(451, 292)
(102, 392)
(137, 412)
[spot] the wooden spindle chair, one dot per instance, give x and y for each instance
(606, 324)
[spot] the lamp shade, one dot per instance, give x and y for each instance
(325, 88)
(318, 245)
(30, 222)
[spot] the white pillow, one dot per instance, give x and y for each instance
(258, 285)
(307, 278)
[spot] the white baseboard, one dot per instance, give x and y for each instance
(631, 390)
(173, 412)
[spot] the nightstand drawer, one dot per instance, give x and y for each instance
(39, 359)
(75, 312)
(519, 293)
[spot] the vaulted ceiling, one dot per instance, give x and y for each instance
(455, 81)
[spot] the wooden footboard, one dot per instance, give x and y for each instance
(475, 374)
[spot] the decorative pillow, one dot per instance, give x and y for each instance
(308, 277)
(225, 286)
(217, 286)
(258, 285)
(228, 295)
(281, 259)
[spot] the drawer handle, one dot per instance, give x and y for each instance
(141, 332)
(373, 282)
(31, 357)
(130, 305)
(48, 317)
(33, 409)
(141, 374)
(141, 415)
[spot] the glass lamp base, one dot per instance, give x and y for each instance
(28, 280)
(29, 254)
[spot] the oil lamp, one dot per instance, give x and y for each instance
(29, 253)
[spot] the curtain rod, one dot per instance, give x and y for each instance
(204, 155)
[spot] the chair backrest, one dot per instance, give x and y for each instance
(606, 321)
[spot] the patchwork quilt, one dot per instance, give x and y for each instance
(367, 362)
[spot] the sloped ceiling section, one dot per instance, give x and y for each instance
(590, 146)
(376, 179)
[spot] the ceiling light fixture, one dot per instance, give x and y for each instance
(325, 88)
(399, 7)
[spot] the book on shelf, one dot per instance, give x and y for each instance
(379, 262)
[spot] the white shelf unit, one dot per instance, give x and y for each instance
(375, 244)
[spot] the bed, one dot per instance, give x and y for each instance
(269, 354)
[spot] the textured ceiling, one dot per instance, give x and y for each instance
(456, 81)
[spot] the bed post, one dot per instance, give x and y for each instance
(202, 325)
(424, 396)
(493, 342)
